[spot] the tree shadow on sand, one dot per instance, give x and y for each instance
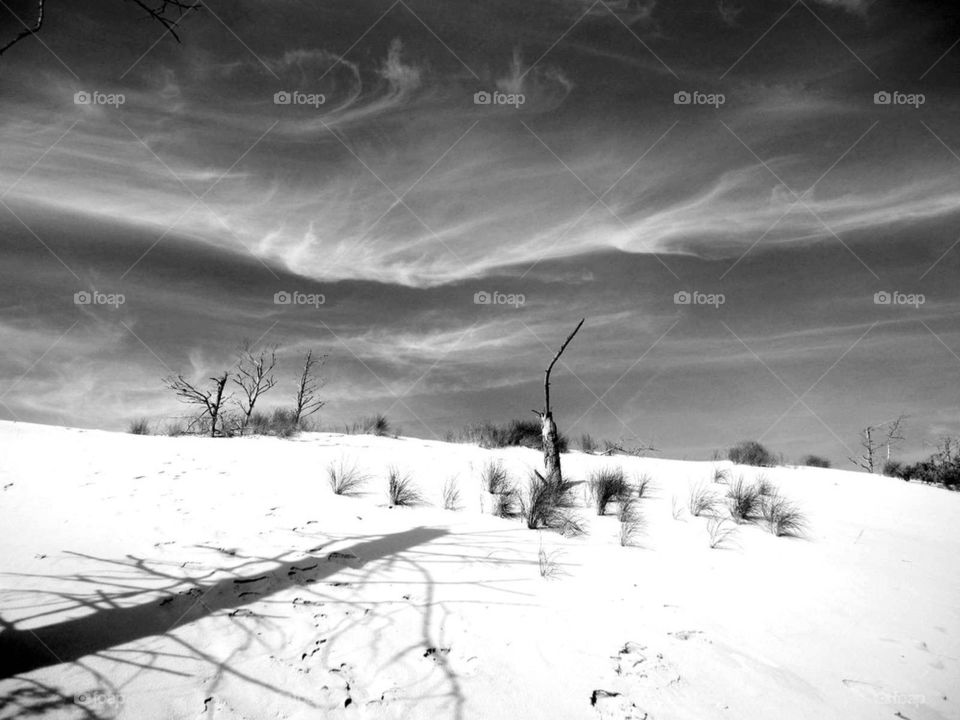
(112, 613)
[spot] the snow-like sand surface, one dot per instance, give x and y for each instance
(154, 577)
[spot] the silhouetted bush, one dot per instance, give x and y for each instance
(516, 433)
(140, 426)
(941, 468)
(377, 425)
(750, 452)
(280, 423)
(814, 461)
(896, 469)
(588, 444)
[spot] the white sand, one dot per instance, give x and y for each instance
(191, 578)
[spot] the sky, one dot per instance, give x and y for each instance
(762, 246)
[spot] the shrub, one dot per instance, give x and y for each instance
(720, 531)
(516, 433)
(377, 425)
(345, 479)
(895, 468)
(631, 521)
(783, 517)
(702, 501)
(451, 495)
(279, 423)
(814, 461)
(744, 501)
(401, 489)
(606, 486)
(140, 426)
(549, 504)
(588, 444)
(750, 452)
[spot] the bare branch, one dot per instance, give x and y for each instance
(308, 387)
(169, 13)
(27, 30)
(211, 401)
(254, 376)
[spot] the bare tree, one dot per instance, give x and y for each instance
(874, 438)
(551, 443)
(211, 401)
(169, 13)
(308, 387)
(254, 376)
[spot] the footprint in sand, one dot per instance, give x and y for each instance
(614, 706)
(644, 667)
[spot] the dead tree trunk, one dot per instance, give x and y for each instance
(551, 438)
(217, 404)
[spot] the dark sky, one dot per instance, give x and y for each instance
(784, 188)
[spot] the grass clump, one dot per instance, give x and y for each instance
(345, 479)
(402, 491)
(783, 517)
(549, 504)
(721, 532)
(451, 495)
(643, 486)
(702, 501)
(606, 486)
(632, 522)
(506, 499)
(744, 501)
